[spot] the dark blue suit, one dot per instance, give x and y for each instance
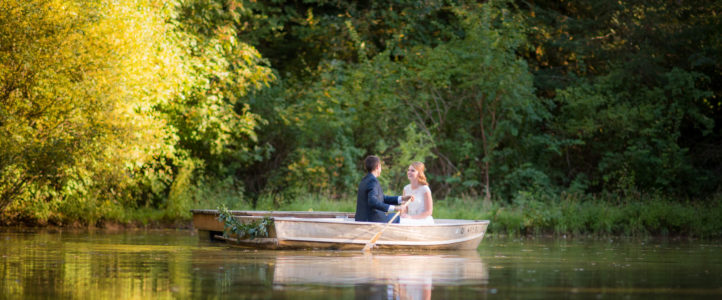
(371, 204)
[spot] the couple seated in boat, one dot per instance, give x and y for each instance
(414, 207)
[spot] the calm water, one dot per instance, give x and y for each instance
(177, 264)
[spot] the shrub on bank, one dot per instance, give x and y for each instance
(594, 215)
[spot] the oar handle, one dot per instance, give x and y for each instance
(373, 240)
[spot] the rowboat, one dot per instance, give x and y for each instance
(338, 230)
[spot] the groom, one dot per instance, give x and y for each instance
(371, 204)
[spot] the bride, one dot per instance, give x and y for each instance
(420, 209)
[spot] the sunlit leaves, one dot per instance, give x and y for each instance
(80, 81)
(213, 120)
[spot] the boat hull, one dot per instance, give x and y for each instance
(327, 230)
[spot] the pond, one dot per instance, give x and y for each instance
(161, 264)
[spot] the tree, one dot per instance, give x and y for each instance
(635, 85)
(78, 84)
(480, 72)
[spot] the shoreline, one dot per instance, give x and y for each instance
(115, 227)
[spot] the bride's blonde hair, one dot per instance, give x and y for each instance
(419, 166)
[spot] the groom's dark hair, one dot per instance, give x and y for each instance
(371, 162)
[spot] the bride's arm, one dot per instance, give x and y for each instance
(405, 208)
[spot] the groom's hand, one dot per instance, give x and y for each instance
(407, 198)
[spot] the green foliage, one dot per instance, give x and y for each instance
(415, 146)
(108, 106)
(212, 119)
(212, 192)
(473, 91)
(300, 36)
(649, 121)
(79, 81)
(111, 111)
(305, 202)
(179, 198)
(243, 230)
(635, 92)
(417, 108)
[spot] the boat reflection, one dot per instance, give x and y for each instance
(382, 276)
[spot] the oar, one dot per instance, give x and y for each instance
(376, 237)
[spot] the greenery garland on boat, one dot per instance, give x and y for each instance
(242, 230)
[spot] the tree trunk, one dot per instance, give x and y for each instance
(485, 165)
(486, 132)
(7, 196)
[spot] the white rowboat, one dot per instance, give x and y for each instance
(337, 230)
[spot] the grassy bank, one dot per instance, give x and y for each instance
(527, 214)
(603, 216)
(569, 214)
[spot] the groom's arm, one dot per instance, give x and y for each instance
(395, 200)
(373, 189)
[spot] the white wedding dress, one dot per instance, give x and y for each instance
(417, 206)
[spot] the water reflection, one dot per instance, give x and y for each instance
(176, 264)
(93, 265)
(382, 276)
